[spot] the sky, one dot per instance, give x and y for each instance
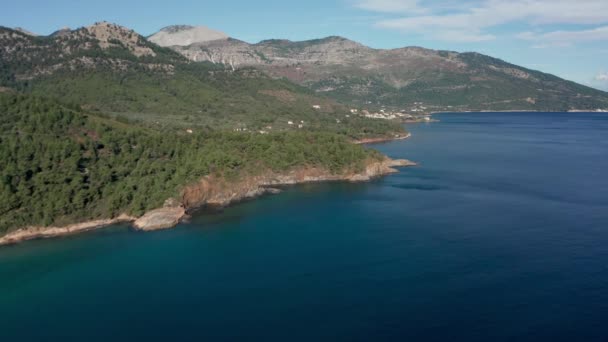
(568, 38)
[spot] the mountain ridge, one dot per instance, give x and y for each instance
(360, 75)
(334, 67)
(112, 69)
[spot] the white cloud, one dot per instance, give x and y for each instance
(472, 21)
(600, 81)
(566, 38)
(602, 76)
(464, 36)
(390, 6)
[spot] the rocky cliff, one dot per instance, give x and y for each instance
(214, 191)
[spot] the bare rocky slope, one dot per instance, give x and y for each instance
(352, 72)
(184, 35)
(102, 45)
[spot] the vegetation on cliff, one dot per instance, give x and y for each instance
(61, 165)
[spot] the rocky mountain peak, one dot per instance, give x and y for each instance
(105, 31)
(176, 28)
(184, 35)
(113, 35)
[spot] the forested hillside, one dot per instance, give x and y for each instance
(60, 165)
(98, 122)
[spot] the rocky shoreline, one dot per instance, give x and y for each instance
(32, 233)
(211, 191)
(382, 140)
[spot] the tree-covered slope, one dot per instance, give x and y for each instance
(61, 165)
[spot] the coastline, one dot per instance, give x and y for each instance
(519, 111)
(33, 233)
(381, 140)
(490, 111)
(211, 191)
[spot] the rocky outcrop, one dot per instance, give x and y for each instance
(110, 35)
(214, 191)
(158, 219)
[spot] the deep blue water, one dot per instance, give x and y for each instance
(501, 234)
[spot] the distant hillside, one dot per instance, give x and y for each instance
(111, 69)
(351, 72)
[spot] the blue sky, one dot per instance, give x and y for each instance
(565, 37)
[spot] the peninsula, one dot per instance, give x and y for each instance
(100, 125)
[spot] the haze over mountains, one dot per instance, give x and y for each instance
(354, 73)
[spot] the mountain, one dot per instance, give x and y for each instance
(353, 73)
(184, 35)
(111, 69)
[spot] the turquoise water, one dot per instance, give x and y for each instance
(500, 234)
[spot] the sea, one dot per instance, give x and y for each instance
(500, 234)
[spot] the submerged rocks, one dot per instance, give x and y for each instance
(400, 163)
(273, 191)
(380, 168)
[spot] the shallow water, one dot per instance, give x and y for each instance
(500, 234)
